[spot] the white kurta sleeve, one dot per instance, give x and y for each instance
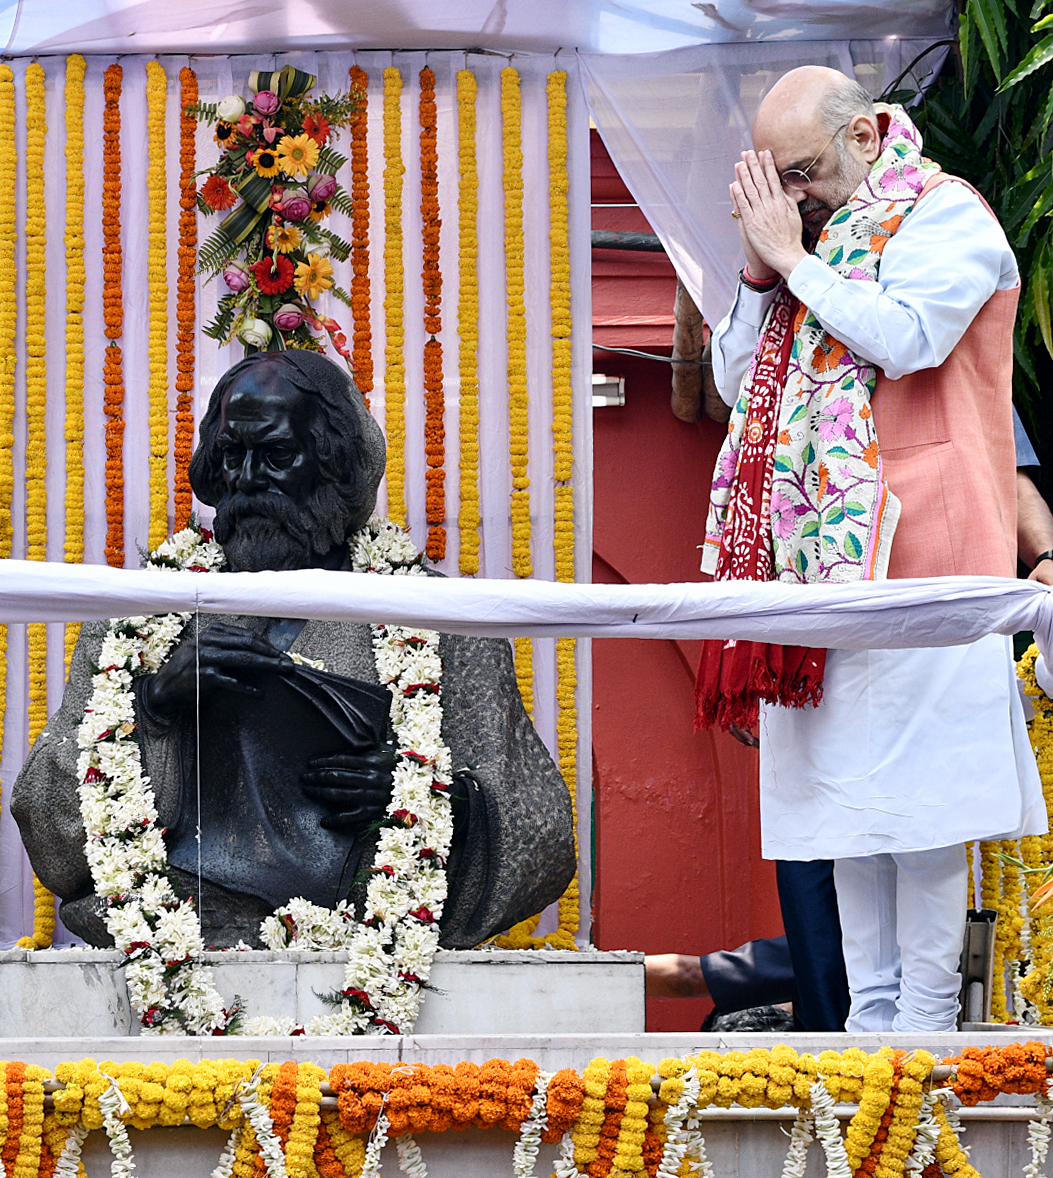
(946, 260)
(736, 338)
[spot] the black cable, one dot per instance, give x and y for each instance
(653, 356)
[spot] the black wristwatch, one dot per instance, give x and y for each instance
(1041, 557)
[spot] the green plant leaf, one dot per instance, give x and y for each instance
(1040, 55)
(989, 19)
(1040, 208)
(1044, 23)
(1040, 297)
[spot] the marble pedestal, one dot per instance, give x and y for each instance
(81, 993)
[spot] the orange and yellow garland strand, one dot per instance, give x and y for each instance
(74, 548)
(157, 285)
(516, 332)
(8, 328)
(186, 294)
(468, 323)
(434, 405)
(362, 350)
(113, 315)
(395, 365)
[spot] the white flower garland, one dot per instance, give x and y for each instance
(1038, 1133)
(378, 1138)
(225, 1165)
(801, 1137)
(828, 1130)
(565, 1166)
(112, 1105)
(679, 1126)
(524, 1155)
(68, 1163)
(411, 1162)
(259, 1117)
(391, 950)
(923, 1152)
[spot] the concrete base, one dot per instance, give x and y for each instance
(752, 1145)
(81, 992)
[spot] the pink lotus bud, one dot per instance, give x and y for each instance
(288, 317)
(320, 186)
(266, 102)
(296, 207)
(236, 277)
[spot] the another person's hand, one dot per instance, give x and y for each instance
(769, 219)
(674, 975)
(227, 658)
(354, 787)
(745, 736)
(1042, 572)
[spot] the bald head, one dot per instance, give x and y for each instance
(819, 122)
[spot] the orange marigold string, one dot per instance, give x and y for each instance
(362, 347)
(434, 431)
(616, 1097)
(185, 302)
(8, 329)
(14, 1076)
(113, 315)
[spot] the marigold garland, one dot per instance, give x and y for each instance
(362, 349)
(8, 327)
(74, 547)
(434, 430)
(113, 315)
(1037, 850)
(186, 290)
(395, 366)
(468, 323)
(36, 439)
(157, 284)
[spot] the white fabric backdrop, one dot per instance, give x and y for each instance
(221, 75)
(605, 26)
(675, 123)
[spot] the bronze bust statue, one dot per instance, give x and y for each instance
(283, 769)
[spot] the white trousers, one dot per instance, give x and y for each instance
(902, 926)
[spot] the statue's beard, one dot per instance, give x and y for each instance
(271, 531)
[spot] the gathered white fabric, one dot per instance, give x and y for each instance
(899, 614)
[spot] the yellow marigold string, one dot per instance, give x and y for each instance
(468, 322)
(362, 348)
(585, 1132)
(1037, 850)
(8, 326)
(113, 314)
(74, 550)
(31, 1138)
(950, 1156)
(394, 342)
(36, 440)
(628, 1147)
(185, 300)
(350, 1150)
(878, 1077)
(915, 1072)
(991, 897)
(157, 284)
(299, 1151)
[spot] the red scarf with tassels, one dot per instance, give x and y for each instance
(733, 677)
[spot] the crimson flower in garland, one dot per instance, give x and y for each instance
(317, 126)
(274, 275)
(217, 193)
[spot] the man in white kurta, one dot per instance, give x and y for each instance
(911, 753)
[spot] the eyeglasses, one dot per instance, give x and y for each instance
(798, 177)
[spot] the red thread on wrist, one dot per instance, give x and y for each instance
(758, 281)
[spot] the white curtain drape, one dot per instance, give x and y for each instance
(675, 123)
(218, 76)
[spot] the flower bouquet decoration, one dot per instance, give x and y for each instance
(276, 180)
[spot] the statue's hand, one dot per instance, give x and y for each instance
(228, 659)
(354, 787)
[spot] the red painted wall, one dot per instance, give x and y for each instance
(678, 865)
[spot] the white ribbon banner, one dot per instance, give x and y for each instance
(934, 611)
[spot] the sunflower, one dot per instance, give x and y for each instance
(298, 154)
(313, 276)
(225, 134)
(283, 238)
(319, 209)
(273, 275)
(217, 193)
(265, 161)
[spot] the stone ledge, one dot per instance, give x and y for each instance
(79, 993)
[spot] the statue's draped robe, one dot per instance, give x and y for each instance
(514, 850)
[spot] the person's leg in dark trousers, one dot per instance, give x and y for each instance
(813, 933)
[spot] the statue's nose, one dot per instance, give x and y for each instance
(250, 477)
